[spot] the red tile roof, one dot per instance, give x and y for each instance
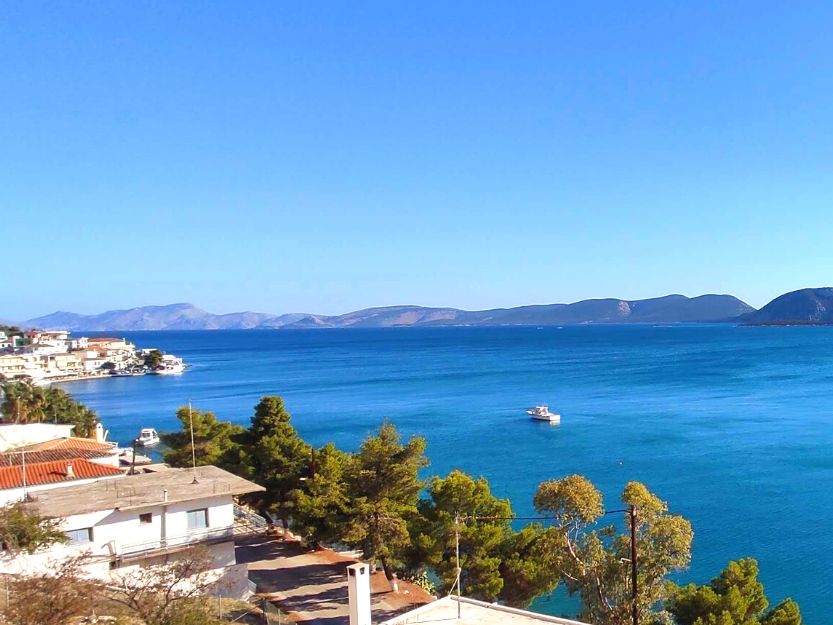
(69, 443)
(49, 455)
(53, 472)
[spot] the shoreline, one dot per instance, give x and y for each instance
(86, 377)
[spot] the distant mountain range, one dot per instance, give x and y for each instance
(668, 309)
(802, 307)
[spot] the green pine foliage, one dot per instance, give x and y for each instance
(323, 503)
(735, 597)
(433, 533)
(531, 561)
(215, 441)
(384, 485)
(153, 359)
(276, 457)
(24, 402)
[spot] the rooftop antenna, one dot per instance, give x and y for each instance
(193, 449)
(23, 456)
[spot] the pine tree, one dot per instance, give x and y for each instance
(735, 597)
(323, 503)
(384, 488)
(459, 504)
(215, 441)
(276, 457)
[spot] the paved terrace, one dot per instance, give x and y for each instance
(312, 585)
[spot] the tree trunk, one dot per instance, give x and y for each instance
(387, 569)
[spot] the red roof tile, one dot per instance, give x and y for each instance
(53, 472)
(49, 455)
(69, 443)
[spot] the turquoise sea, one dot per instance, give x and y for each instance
(732, 426)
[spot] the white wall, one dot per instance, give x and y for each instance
(17, 435)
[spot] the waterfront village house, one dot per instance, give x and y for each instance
(144, 520)
(16, 365)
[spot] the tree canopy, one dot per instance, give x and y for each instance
(21, 529)
(214, 440)
(153, 359)
(275, 456)
(24, 402)
(323, 503)
(595, 561)
(735, 597)
(461, 505)
(384, 484)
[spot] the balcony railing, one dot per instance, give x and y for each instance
(208, 535)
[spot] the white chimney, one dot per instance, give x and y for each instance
(358, 593)
(70, 472)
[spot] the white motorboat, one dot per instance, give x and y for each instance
(148, 437)
(542, 413)
(169, 365)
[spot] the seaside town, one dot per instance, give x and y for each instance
(45, 356)
(398, 313)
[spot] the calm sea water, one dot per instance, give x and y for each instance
(732, 426)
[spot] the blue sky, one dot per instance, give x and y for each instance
(324, 157)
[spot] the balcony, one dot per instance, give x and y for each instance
(135, 551)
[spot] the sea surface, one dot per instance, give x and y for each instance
(732, 426)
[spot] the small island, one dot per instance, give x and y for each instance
(45, 356)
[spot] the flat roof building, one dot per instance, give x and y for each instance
(465, 611)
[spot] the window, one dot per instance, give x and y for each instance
(147, 517)
(84, 535)
(198, 519)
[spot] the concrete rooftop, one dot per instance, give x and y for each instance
(472, 612)
(141, 491)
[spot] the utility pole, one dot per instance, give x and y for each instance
(457, 556)
(634, 610)
(193, 449)
(313, 468)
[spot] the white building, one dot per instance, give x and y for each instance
(14, 435)
(464, 611)
(142, 520)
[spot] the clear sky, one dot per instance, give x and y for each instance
(324, 157)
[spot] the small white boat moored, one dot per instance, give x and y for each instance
(169, 365)
(148, 437)
(542, 413)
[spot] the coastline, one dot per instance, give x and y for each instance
(89, 376)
